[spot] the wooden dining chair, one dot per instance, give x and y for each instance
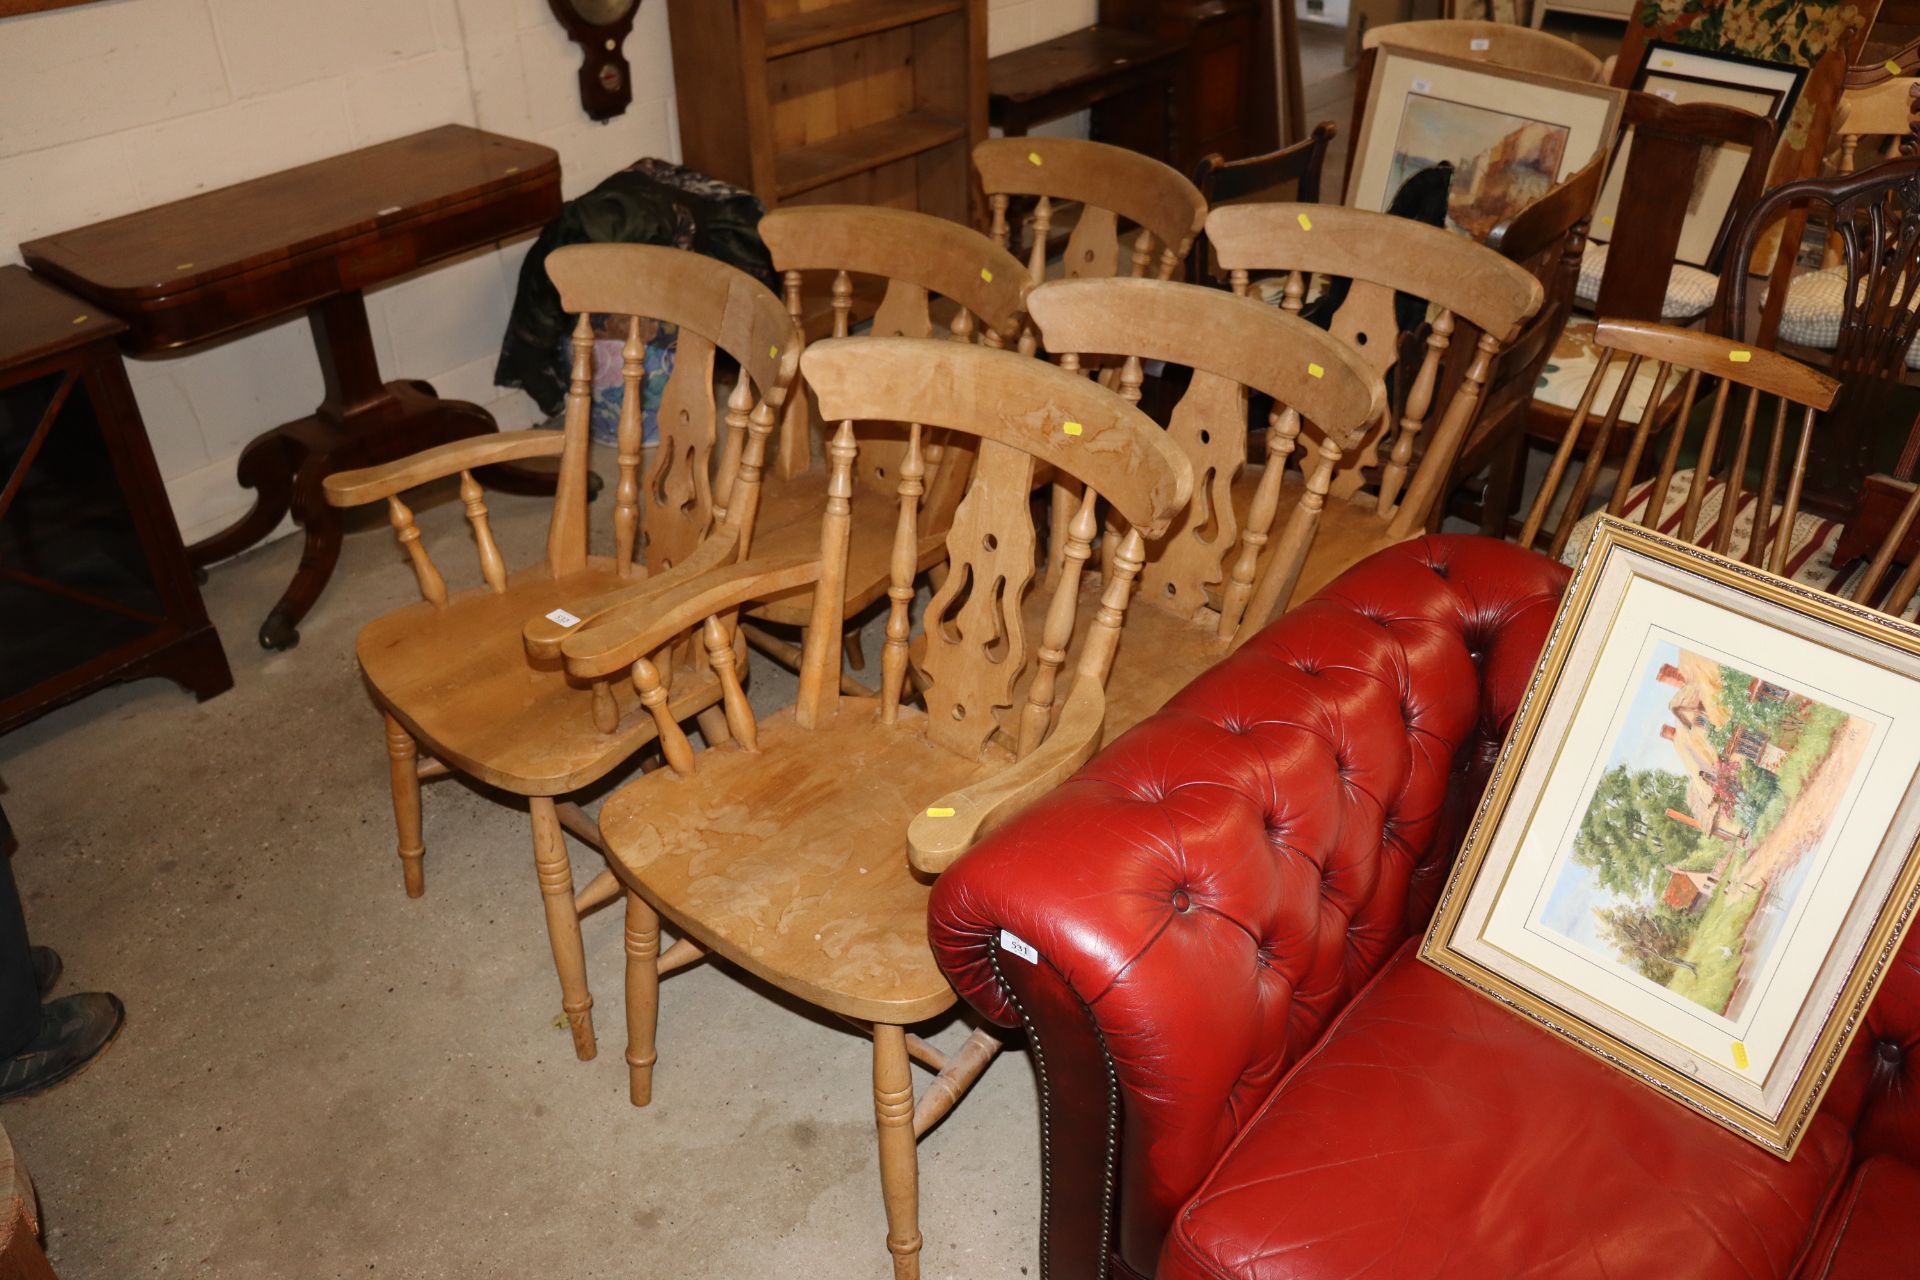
(922, 260)
(1111, 184)
(1198, 598)
(1292, 173)
(1379, 493)
(450, 675)
(786, 851)
(1695, 485)
(1859, 320)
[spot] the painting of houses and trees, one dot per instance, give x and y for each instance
(1704, 823)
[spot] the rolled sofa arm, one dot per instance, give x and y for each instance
(1178, 922)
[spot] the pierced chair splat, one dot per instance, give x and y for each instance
(922, 260)
(452, 676)
(786, 851)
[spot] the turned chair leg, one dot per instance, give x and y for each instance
(563, 922)
(850, 644)
(899, 1153)
(713, 726)
(643, 996)
(403, 768)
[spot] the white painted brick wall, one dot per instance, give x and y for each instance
(109, 108)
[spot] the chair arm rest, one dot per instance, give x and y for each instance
(544, 637)
(935, 838)
(639, 626)
(370, 484)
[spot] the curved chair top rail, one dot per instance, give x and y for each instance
(1500, 43)
(1300, 365)
(1863, 192)
(1465, 277)
(1756, 367)
(737, 313)
(1061, 418)
(1135, 186)
(939, 256)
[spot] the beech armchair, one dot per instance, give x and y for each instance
(1208, 935)
(784, 851)
(455, 687)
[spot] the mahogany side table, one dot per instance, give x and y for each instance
(94, 585)
(313, 238)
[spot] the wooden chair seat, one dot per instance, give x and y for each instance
(788, 523)
(809, 888)
(1348, 532)
(459, 680)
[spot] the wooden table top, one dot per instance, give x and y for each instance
(37, 319)
(1077, 58)
(192, 243)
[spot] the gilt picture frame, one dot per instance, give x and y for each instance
(1510, 135)
(1696, 855)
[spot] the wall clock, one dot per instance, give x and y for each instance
(600, 28)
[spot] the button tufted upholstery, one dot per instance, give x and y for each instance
(1246, 1072)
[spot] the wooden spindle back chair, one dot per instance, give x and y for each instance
(786, 851)
(1110, 184)
(1706, 503)
(451, 676)
(924, 261)
(1380, 255)
(1198, 592)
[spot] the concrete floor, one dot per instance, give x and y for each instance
(320, 1077)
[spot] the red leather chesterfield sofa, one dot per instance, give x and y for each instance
(1245, 1069)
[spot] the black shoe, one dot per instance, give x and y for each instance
(46, 969)
(74, 1030)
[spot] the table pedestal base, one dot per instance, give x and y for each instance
(285, 467)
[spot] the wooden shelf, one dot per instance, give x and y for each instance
(859, 150)
(849, 21)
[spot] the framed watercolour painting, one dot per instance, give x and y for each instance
(1697, 851)
(1685, 76)
(1509, 135)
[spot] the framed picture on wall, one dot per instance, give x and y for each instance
(1696, 855)
(1688, 75)
(1509, 135)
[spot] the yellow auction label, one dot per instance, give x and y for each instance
(1306, 223)
(1315, 371)
(1740, 357)
(986, 275)
(1033, 157)
(1739, 1055)
(1072, 428)
(939, 811)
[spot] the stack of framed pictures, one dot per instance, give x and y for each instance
(1509, 135)
(1696, 856)
(1682, 75)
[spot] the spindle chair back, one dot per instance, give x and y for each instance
(925, 262)
(1708, 502)
(786, 851)
(456, 686)
(1390, 492)
(1111, 184)
(1198, 593)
